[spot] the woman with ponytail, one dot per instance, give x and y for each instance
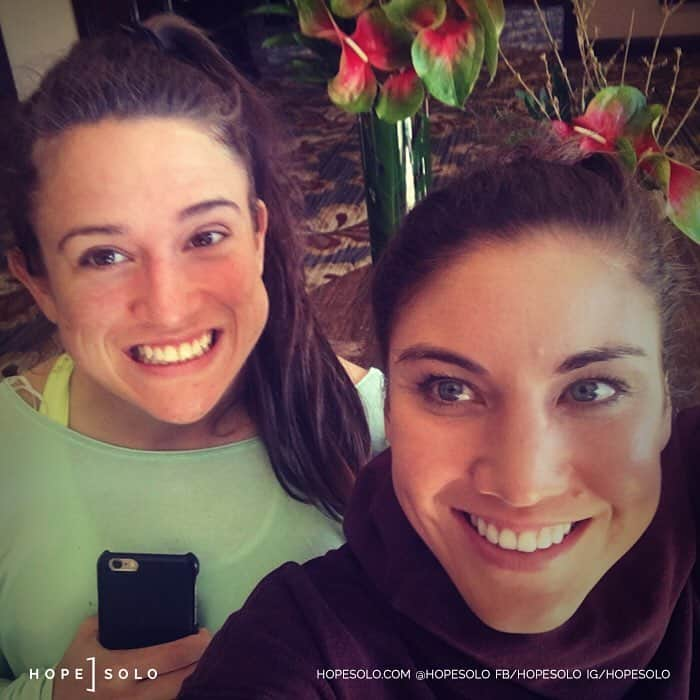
(532, 532)
(197, 406)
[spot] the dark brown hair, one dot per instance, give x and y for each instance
(305, 405)
(519, 194)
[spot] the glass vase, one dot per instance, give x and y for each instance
(396, 168)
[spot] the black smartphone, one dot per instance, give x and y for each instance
(145, 599)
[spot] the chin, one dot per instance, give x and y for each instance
(184, 414)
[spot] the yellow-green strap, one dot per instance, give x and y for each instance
(55, 402)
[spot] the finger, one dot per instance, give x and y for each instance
(165, 687)
(166, 658)
(88, 628)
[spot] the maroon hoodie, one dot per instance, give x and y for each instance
(379, 618)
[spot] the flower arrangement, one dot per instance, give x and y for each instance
(391, 52)
(618, 118)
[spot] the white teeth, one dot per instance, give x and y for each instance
(185, 351)
(507, 539)
(170, 354)
(544, 538)
(557, 534)
(526, 541)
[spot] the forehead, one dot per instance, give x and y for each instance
(542, 297)
(97, 166)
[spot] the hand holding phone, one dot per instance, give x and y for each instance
(173, 661)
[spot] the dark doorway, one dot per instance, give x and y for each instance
(8, 91)
(224, 21)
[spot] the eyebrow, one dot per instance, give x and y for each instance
(602, 354)
(429, 352)
(182, 215)
(571, 363)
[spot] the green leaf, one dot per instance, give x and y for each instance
(449, 58)
(316, 21)
(354, 87)
(387, 45)
(492, 16)
(286, 39)
(610, 111)
(348, 8)
(272, 9)
(681, 185)
(621, 111)
(401, 96)
(309, 71)
(683, 198)
(416, 15)
(533, 110)
(627, 154)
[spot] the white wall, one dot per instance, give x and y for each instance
(36, 33)
(612, 19)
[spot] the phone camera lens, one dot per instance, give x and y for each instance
(117, 564)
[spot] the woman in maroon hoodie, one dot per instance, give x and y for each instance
(532, 531)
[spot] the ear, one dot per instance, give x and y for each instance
(261, 221)
(38, 285)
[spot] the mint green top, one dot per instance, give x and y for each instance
(65, 498)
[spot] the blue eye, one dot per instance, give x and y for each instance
(452, 391)
(102, 257)
(595, 390)
(206, 239)
(445, 391)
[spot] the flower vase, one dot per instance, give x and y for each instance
(396, 168)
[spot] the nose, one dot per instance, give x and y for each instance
(162, 293)
(527, 460)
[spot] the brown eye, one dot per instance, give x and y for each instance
(206, 239)
(104, 257)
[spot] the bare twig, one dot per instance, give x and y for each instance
(627, 48)
(676, 71)
(612, 60)
(550, 87)
(584, 49)
(688, 112)
(552, 41)
(525, 86)
(668, 12)
(597, 69)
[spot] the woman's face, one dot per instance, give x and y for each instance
(153, 261)
(526, 413)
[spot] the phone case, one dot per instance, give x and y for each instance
(152, 605)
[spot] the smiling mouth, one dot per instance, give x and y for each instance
(526, 541)
(176, 353)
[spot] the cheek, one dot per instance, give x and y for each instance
(428, 452)
(87, 307)
(620, 460)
